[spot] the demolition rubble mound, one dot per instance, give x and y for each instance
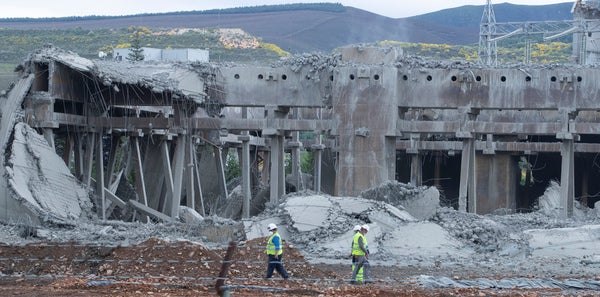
(443, 250)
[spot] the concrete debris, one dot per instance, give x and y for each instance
(189, 216)
(309, 219)
(420, 202)
(549, 203)
(508, 283)
(318, 62)
(373, 56)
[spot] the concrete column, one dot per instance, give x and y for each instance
(49, 136)
(79, 153)
(366, 118)
(436, 170)
(245, 167)
(154, 183)
(585, 179)
(467, 170)
(68, 149)
(472, 189)
(189, 178)
(140, 184)
(100, 177)
(416, 170)
(220, 156)
(198, 187)
(168, 174)
(317, 163)
(295, 146)
(110, 167)
(296, 165)
(178, 167)
(277, 171)
(89, 158)
(265, 173)
(567, 191)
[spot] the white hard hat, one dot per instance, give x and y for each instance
(356, 228)
(365, 226)
(271, 227)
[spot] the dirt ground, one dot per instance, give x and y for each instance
(157, 268)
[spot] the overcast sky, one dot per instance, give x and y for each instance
(60, 8)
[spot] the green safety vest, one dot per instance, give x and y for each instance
(271, 245)
(355, 247)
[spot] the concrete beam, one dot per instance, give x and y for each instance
(499, 146)
(149, 211)
(114, 199)
(255, 86)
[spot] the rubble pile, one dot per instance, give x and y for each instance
(421, 202)
(318, 62)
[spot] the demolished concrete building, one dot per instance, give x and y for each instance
(151, 137)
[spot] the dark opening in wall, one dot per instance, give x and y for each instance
(42, 77)
(545, 167)
(446, 178)
(587, 173)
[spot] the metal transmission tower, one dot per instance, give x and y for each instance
(488, 52)
(583, 28)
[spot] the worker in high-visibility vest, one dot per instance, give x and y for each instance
(360, 249)
(274, 253)
(359, 275)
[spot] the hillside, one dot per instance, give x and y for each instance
(300, 28)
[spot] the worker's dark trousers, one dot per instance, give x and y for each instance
(275, 264)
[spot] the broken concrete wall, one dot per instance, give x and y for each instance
(41, 183)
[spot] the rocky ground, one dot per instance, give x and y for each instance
(158, 268)
(443, 253)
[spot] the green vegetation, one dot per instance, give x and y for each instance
(15, 45)
(543, 53)
(226, 45)
(136, 53)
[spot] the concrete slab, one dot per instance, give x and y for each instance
(575, 242)
(256, 229)
(308, 212)
(424, 238)
(41, 181)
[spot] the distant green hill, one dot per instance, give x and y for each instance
(298, 28)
